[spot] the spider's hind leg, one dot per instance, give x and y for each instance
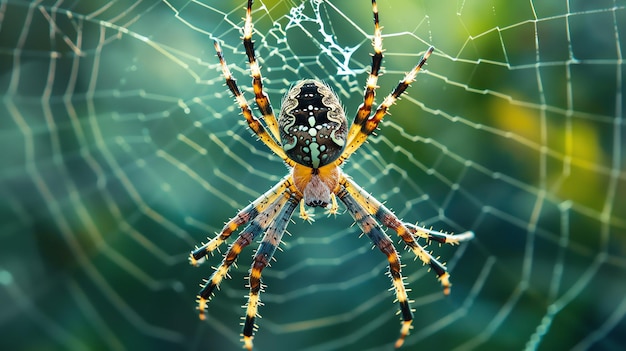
(365, 108)
(261, 97)
(358, 134)
(253, 123)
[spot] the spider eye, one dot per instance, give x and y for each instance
(313, 125)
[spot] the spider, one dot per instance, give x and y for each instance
(312, 137)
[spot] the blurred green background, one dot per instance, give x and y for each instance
(122, 150)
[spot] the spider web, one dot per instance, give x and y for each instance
(122, 149)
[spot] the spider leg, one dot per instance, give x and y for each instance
(443, 238)
(262, 99)
(368, 126)
(249, 213)
(247, 236)
(385, 216)
(373, 230)
(262, 259)
(253, 122)
(370, 88)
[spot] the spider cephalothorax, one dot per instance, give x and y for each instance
(312, 137)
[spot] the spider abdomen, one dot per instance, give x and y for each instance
(313, 125)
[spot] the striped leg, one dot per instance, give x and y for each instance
(406, 231)
(250, 212)
(443, 238)
(247, 236)
(372, 229)
(386, 216)
(254, 124)
(262, 259)
(368, 126)
(262, 99)
(368, 97)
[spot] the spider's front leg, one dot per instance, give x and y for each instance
(247, 236)
(244, 216)
(373, 230)
(262, 259)
(442, 238)
(407, 231)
